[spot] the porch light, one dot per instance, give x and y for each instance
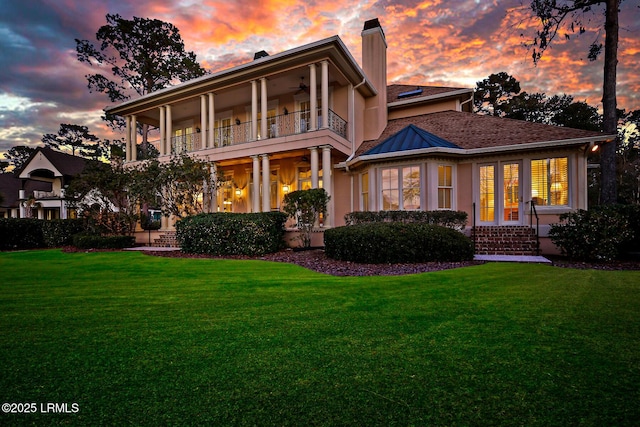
(595, 148)
(238, 192)
(285, 189)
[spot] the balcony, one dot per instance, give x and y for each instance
(294, 123)
(39, 195)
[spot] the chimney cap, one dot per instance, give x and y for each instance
(260, 54)
(372, 23)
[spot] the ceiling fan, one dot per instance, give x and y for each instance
(302, 87)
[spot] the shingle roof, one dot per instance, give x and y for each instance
(10, 186)
(410, 138)
(470, 130)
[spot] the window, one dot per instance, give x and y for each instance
(304, 178)
(403, 181)
(487, 193)
(550, 182)
(445, 186)
(364, 191)
(511, 191)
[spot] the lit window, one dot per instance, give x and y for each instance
(550, 182)
(487, 193)
(445, 186)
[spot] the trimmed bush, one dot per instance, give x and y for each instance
(450, 219)
(604, 233)
(83, 241)
(60, 232)
(21, 233)
(227, 233)
(397, 242)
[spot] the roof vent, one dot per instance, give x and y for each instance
(260, 54)
(416, 91)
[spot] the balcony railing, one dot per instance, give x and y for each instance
(240, 132)
(45, 194)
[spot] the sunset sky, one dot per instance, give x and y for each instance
(431, 42)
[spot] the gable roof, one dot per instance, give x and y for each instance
(410, 138)
(65, 164)
(475, 133)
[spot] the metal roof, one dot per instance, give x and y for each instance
(410, 138)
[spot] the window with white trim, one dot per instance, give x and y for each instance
(445, 187)
(400, 188)
(550, 181)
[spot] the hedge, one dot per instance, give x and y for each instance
(83, 241)
(60, 232)
(21, 233)
(397, 242)
(226, 233)
(603, 233)
(450, 219)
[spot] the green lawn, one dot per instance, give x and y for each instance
(137, 340)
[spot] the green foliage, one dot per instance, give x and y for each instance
(184, 181)
(451, 219)
(225, 233)
(21, 233)
(603, 233)
(306, 206)
(396, 242)
(84, 241)
(60, 232)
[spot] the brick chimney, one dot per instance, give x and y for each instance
(374, 65)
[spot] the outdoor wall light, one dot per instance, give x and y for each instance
(285, 189)
(238, 192)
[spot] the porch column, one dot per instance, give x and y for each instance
(263, 108)
(254, 110)
(326, 182)
(163, 131)
(314, 167)
(23, 197)
(313, 97)
(324, 93)
(169, 129)
(134, 138)
(266, 185)
(204, 141)
(63, 205)
(212, 121)
(127, 139)
(255, 191)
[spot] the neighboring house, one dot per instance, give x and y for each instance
(313, 117)
(36, 190)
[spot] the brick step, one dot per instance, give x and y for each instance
(167, 240)
(505, 240)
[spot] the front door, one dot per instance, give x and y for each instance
(511, 193)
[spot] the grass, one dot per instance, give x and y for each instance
(138, 340)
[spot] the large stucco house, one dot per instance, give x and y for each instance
(314, 117)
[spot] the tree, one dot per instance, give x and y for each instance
(629, 157)
(19, 155)
(4, 166)
(567, 16)
(492, 94)
(76, 138)
(142, 56)
(306, 206)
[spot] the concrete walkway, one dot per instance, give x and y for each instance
(512, 258)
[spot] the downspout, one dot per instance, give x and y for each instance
(468, 100)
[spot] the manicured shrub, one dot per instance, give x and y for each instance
(396, 242)
(21, 233)
(60, 232)
(604, 233)
(83, 241)
(226, 233)
(451, 219)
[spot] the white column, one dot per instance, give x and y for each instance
(314, 168)
(326, 181)
(263, 108)
(266, 185)
(22, 198)
(127, 139)
(163, 131)
(134, 138)
(313, 95)
(255, 191)
(204, 141)
(212, 121)
(169, 130)
(324, 93)
(254, 110)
